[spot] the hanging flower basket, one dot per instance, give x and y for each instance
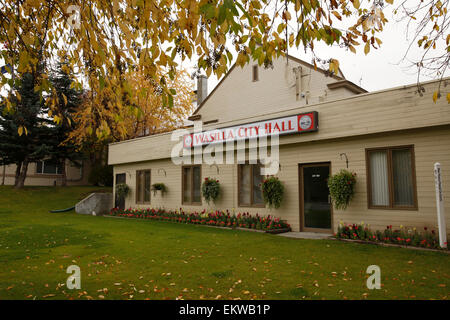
(159, 187)
(273, 192)
(122, 190)
(342, 186)
(210, 189)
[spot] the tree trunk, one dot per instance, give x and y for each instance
(22, 175)
(63, 171)
(4, 175)
(16, 177)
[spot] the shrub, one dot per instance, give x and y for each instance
(210, 189)
(215, 218)
(101, 175)
(159, 187)
(341, 187)
(402, 236)
(122, 190)
(273, 191)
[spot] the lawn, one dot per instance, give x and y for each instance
(141, 259)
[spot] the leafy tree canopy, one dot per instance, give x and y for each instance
(104, 40)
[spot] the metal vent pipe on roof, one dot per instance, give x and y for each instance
(202, 89)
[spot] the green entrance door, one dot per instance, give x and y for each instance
(120, 202)
(315, 204)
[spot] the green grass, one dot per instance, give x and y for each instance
(139, 259)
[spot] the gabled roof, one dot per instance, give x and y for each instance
(355, 88)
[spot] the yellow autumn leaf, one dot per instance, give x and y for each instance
(334, 66)
(356, 4)
(337, 15)
(435, 96)
(367, 48)
(448, 97)
(331, 66)
(8, 105)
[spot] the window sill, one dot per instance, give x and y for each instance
(251, 206)
(394, 208)
(191, 203)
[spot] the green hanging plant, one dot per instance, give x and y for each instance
(159, 187)
(210, 189)
(342, 186)
(273, 191)
(122, 190)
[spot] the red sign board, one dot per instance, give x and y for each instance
(299, 123)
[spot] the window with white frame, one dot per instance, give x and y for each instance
(48, 167)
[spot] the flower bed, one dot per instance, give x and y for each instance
(402, 236)
(217, 218)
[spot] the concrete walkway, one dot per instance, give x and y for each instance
(306, 235)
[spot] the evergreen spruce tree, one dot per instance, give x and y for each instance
(69, 100)
(26, 133)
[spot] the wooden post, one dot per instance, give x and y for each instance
(440, 206)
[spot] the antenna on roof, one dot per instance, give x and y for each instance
(285, 18)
